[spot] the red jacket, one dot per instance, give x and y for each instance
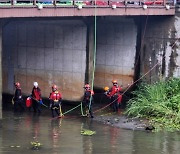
(36, 93)
(115, 90)
(55, 96)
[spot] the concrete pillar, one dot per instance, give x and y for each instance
(0, 71)
(160, 48)
(90, 53)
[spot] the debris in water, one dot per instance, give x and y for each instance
(15, 146)
(87, 132)
(116, 120)
(36, 145)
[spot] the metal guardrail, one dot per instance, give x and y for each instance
(100, 3)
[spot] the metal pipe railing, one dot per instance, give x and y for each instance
(87, 3)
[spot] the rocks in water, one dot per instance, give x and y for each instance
(149, 128)
(116, 120)
(108, 122)
(36, 145)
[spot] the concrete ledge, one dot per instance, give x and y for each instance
(71, 11)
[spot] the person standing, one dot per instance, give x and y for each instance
(36, 98)
(88, 100)
(115, 94)
(55, 101)
(18, 100)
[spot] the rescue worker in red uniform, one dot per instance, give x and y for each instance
(55, 101)
(115, 94)
(18, 100)
(88, 100)
(36, 98)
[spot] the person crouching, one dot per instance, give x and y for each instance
(55, 101)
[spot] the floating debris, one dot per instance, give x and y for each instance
(15, 146)
(87, 132)
(116, 119)
(36, 145)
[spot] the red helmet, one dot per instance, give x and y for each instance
(87, 86)
(114, 81)
(54, 87)
(17, 84)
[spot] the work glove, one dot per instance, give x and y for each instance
(105, 93)
(41, 102)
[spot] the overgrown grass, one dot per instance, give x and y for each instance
(158, 102)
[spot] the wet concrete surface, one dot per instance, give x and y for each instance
(62, 135)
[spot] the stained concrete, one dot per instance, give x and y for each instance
(49, 52)
(160, 47)
(62, 52)
(116, 50)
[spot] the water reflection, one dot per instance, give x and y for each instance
(87, 140)
(55, 132)
(35, 127)
(63, 136)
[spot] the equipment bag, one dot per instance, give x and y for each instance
(28, 102)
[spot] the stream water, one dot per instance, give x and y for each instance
(64, 136)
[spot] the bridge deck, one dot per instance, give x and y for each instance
(48, 8)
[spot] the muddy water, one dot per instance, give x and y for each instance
(63, 136)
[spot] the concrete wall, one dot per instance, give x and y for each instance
(161, 47)
(0, 72)
(55, 52)
(116, 50)
(49, 52)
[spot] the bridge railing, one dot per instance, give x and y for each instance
(89, 3)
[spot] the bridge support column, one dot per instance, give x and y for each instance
(90, 53)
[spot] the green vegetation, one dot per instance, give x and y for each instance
(159, 103)
(87, 132)
(36, 145)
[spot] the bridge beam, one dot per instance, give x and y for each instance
(85, 11)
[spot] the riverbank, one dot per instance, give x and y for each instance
(121, 121)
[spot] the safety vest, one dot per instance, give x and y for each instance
(55, 96)
(115, 90)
